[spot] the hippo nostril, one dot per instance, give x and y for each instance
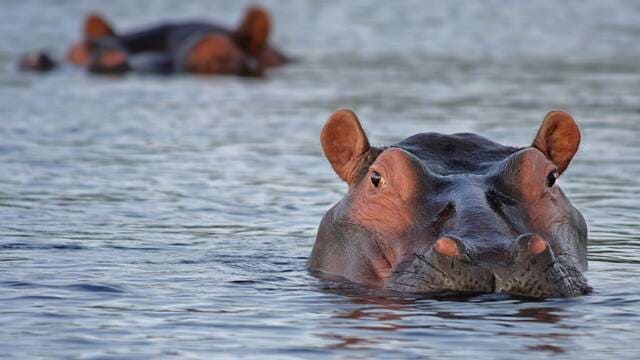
(447, 247)
(530, 244)
(536, 245)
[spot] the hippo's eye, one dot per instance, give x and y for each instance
(551, 178)
(377, 180)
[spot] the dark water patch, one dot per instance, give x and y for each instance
(244, 282)
(12, 258)
(98, 288)
(137, 248)
(40, 246)
(36, 298)
(82, 287)
(18, 284)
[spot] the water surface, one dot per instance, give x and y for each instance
(153, 217)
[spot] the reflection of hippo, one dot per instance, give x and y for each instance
(456, 212)
(194, 47)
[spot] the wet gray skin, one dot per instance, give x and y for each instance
(441, 213)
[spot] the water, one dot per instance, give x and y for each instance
(152, 217)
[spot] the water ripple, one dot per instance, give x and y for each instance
(153, 217)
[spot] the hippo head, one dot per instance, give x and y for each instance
(37, 61)
(95, 27)
(218, 54)
(453, 213)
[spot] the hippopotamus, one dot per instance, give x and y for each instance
(457, 213)
(37, 61)
(193, 47)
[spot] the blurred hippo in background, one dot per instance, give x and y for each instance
(192, 47)
(453, 213)
(37, 61)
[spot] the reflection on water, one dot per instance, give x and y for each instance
(403, 315)
(149, 217)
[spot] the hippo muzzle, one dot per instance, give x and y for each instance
(528, 268)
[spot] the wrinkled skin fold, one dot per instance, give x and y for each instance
(453, 213)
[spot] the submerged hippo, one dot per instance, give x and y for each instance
(190, 46)
(440, 213)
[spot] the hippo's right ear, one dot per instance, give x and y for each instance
(95, 27)
(558, 138)
(344, 143)
(253, 33)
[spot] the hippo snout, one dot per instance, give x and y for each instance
(527, 268)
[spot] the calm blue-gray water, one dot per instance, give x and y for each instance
(171, 217)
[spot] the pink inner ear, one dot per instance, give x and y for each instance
(558, 138)
(344, 143)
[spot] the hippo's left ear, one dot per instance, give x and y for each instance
(96, 26)
(253, 32)
(558, 138)
(344, 143)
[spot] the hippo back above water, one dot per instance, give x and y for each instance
(441, 213)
